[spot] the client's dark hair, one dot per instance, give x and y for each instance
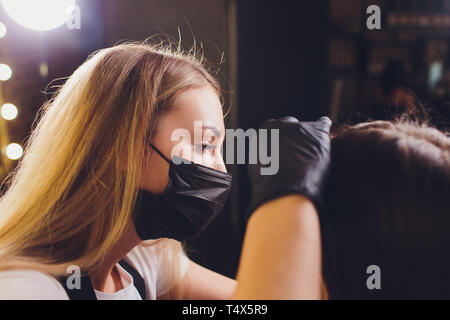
(387, 204)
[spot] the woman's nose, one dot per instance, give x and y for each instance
(219, 165)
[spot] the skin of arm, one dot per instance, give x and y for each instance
(281, 258)
(200, 283)
(281, 255)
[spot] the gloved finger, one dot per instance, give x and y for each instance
(269, 120)
(324, 123)
(288, 119)
(268, 123)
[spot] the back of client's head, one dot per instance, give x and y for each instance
(387, 204)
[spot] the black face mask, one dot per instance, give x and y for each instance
(194, 196)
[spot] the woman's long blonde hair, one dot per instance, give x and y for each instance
(71, 196)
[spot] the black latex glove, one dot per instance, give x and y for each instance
(304, 156)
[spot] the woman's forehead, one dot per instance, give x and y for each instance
(196, 107)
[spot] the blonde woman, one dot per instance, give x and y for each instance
(98, 189)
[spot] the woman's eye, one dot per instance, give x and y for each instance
(204, 147)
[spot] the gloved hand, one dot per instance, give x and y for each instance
(304, 156)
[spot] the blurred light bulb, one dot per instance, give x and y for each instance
(5, 72)
(9, 111)
(3, 30)
(14, 151)
(39, 14)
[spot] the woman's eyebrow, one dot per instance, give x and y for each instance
(214, 129)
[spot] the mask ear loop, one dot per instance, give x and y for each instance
(159, 152)
(169, 184)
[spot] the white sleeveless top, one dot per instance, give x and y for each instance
(147, 260)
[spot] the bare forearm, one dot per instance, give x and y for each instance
(281, 257)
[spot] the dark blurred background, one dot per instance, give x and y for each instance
(300, 58)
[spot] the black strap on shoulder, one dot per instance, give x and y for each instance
(86, 291)
(139, 282)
